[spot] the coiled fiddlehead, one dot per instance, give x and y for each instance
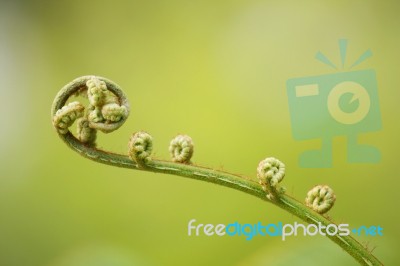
(270, 172)
(181, 149)
(66, 116)
(140, 147)
(109, 109)
(320, 198)
(107, 112)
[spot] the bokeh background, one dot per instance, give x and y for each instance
(215, 70)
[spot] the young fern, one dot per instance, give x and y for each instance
(270, 172)
(140, 148)
(109, 109)
(181, 149)
(320, 199)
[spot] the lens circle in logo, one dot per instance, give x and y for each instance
(359, 93)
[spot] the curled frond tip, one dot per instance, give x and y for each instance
(320, 198)
(270, 172)
(108, 108)
(181, 149)
(67, 115)
(140, 147)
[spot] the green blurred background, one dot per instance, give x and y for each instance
(215, 70)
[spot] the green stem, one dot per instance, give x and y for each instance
(348, 243)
